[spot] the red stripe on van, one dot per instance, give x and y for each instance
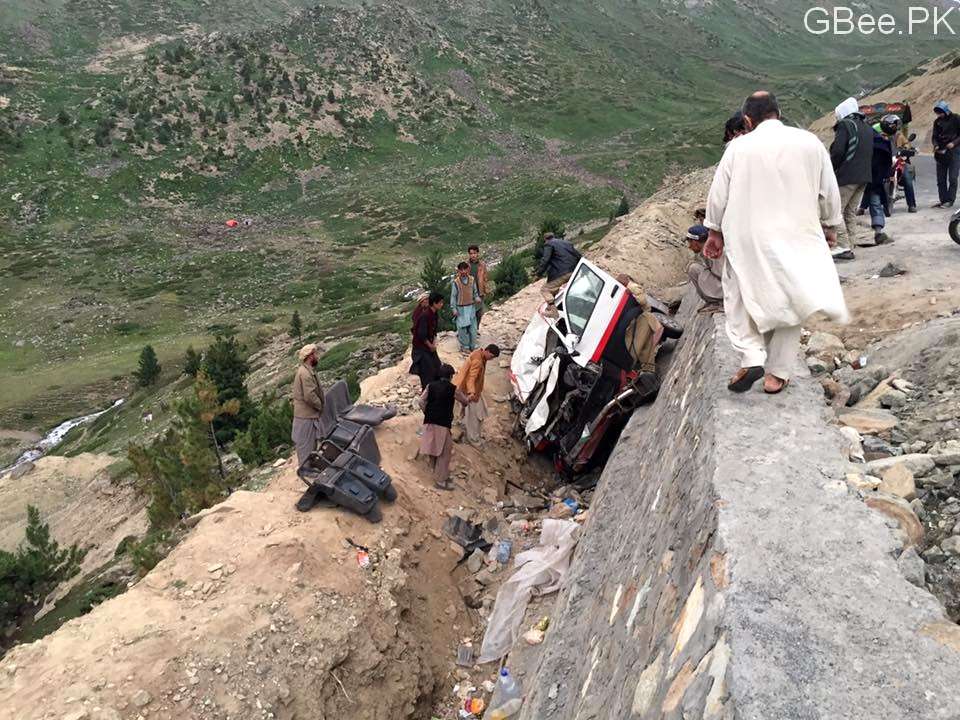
(613, 324)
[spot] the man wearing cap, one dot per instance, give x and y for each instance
(705, 274)
(946, 145)
(307, 404)
(851, 155)
(559, 260)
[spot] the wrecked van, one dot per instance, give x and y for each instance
(575, 380)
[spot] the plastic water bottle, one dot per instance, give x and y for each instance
(504, 549)
(507, 698)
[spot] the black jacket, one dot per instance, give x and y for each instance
(852, 150)
(559, 258)
(441, 398)
(882, 165)
(946, 129)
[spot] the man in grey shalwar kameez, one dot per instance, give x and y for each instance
(307, 404)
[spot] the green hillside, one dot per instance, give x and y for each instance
(354, 137)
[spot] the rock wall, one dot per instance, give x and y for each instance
(728, 571)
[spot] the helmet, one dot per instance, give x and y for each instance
(890, 124)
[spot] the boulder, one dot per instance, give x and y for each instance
(868, 422)
(946, 452)
(854, 448)
(913, 567)
(898, 480)
(951, 546)
(874, 448)
(900, 511)
(920, 465)
(818, 366)
(893, 399)
(825, 346)
(863, 483)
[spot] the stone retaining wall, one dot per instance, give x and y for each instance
(727, 571)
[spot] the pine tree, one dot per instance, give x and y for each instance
(509, 276)
(225, 364)
(623, 208)
(192, 361)
(180, 471)
(331, 98)
(317, 105)
(296, 327)
(63, 118)
(148, 369)
(435, 278)
(32, 572)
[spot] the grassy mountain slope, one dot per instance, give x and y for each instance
(354, 136)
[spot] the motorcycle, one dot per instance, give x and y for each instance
(901, 166)
(955, 227)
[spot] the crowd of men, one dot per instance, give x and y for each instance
(780, 211)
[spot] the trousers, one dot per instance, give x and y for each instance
(776, 351)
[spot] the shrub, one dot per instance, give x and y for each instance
(181, 470)
(510, 277)
(31, 573)
(435, 278)
(192, 362)
(268, 431)
(623, 208)
(225, 364)
(148, 369)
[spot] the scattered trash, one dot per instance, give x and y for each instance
(474, 706)
(507, 698)
(363, 558)
(541, 569)
(231, 223)
(859, 363)
(536, 634)
(465, 655)
(504, 549)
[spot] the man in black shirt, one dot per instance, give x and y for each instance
(946, 146)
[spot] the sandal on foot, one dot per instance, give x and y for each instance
(443, 485)
(744, 379)
(783, 386)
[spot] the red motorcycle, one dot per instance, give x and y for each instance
(901, 166)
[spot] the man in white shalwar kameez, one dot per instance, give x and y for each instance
(772, 211)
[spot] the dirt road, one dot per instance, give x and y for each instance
(882, 306)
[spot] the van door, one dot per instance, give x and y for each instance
(591, 305)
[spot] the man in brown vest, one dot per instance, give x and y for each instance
(464, 301)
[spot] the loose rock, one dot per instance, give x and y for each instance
(898, 480)
(912, 567)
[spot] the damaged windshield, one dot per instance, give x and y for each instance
(581, 298)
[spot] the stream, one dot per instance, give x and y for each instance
(55, 436)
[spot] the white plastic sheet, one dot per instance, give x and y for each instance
(539, 571)
(550, 371)
(528, 357)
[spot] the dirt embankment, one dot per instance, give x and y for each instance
(262, 612)
(79, 500)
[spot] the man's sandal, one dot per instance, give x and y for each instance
(744, 379)
(783, 386)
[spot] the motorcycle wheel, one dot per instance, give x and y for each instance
(955, 229)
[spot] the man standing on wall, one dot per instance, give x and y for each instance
(478, 271)
(772, 212)
(425, 362)
(851, 155)
(559, 260)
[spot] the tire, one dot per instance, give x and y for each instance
(955, 229)
(389, 494)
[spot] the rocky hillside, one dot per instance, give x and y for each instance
(348, 140)
(922, 87)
